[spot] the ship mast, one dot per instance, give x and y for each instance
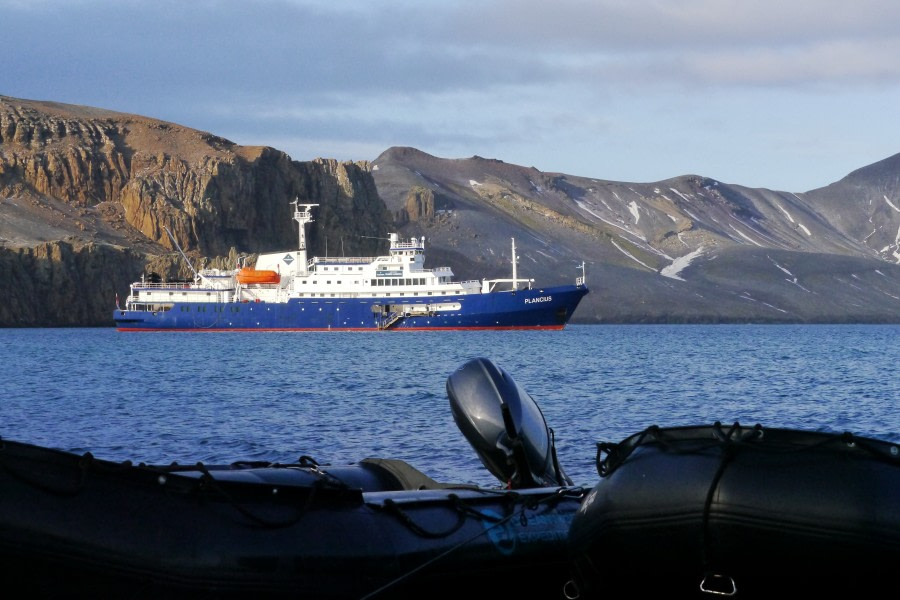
(302, 217)
(515, 259)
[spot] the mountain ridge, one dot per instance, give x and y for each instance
(668, 233)
(86, 196)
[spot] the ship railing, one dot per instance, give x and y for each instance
(437, 270)
(406, 245)
(331, 260)
(168, 285)
(183, 285)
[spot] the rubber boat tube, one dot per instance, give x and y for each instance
(72, 525)
(737, 511)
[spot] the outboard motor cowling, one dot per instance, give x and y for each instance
(504, 425)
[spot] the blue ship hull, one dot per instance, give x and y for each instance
(547, 308)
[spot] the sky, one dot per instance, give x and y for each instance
(790, 95)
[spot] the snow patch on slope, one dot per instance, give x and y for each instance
(679, 264)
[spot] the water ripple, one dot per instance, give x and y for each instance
(341, 397)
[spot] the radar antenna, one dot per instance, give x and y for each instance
(302, 217)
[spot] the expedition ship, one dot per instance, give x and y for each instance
(285, 291)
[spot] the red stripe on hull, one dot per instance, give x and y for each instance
(337, 329)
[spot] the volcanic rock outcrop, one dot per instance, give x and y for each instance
(87, 197)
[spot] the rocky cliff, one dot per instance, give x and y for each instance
(86, 197)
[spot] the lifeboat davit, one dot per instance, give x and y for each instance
(249, 275)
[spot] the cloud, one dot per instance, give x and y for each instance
(569, 85)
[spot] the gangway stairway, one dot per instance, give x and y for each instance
(390, 320)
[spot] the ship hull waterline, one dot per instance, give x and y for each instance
(535, 309)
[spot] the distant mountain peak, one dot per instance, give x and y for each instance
(739, 253)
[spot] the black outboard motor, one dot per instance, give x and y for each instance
(504, 425)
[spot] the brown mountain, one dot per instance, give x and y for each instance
(86, 196)
(688, 249)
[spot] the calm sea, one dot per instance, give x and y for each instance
(341, 397)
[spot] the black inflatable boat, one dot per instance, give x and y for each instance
(744, 512)
(76, 526)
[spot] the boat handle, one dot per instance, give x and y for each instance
(571, 591)
(717, 581)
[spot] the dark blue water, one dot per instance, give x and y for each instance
(341, 397)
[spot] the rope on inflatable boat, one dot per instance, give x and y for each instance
(731, 442)
(526, 503)
(611, 455)
(78, 469)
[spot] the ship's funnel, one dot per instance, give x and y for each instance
(504, 425)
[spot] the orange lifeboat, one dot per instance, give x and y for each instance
(249, 275)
